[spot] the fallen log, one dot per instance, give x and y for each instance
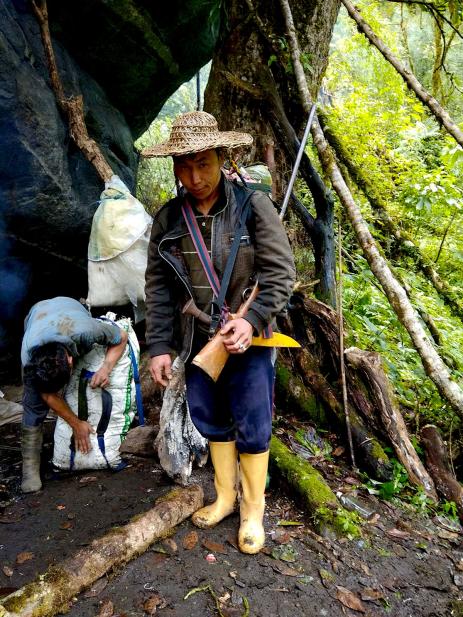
(370, 364)
(51, 592)
(313, 492)
(438, 466)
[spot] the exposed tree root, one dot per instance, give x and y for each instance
(391, 419)
(438, 465)
(314, 325)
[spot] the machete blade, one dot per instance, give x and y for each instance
(277, 340)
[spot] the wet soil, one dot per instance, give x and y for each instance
(403, 566)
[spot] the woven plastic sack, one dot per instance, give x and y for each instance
(105, 450)
(118, 248)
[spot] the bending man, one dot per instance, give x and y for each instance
(57, 333)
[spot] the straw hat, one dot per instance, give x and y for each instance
(196, 131)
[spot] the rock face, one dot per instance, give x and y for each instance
(125, 57)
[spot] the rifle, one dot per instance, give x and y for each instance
(213, 356)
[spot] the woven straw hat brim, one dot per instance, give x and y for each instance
(197, 143)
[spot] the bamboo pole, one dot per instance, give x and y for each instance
(341, 350)
(434, 366)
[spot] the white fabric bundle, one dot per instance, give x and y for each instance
(118, 248)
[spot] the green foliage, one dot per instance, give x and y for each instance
(399, 487)
(392, 488)
(156, 182)
(372, 324)
(416, 171)
(449, 508)
(345, 522)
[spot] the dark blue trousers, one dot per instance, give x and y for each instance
(35, 408)
(239, 406)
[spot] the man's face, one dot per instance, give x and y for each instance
(199, 173)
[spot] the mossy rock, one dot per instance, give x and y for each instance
(313, 492)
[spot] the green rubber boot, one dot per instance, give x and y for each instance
(31, 447)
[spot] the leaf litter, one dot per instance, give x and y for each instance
(24, 556)
(349, 599)
(218, 604)
(190, 540)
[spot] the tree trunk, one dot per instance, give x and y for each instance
(436, 81)
(52, 592)
(249, 89)
(252, 40)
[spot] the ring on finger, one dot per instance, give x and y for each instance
(242, 347)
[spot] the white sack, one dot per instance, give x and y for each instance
(118, 248)
(122, 390)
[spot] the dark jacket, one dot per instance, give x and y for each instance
(264, 251)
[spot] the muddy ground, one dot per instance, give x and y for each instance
(403, 566)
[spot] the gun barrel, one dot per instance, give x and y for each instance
(190, 308)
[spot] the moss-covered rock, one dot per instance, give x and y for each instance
(313, 492)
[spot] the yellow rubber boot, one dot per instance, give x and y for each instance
(251, 537)
(224, 458)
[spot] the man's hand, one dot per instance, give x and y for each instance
(161, 369)
(237, 335)
(82, 431)
(101, 378)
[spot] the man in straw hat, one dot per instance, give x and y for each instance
(234, 414)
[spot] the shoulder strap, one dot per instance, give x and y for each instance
(243, 198)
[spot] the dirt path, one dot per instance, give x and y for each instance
(402, 566)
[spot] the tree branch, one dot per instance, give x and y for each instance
(432, 362)
(412, 82)
(433, 10)
(73, 108)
